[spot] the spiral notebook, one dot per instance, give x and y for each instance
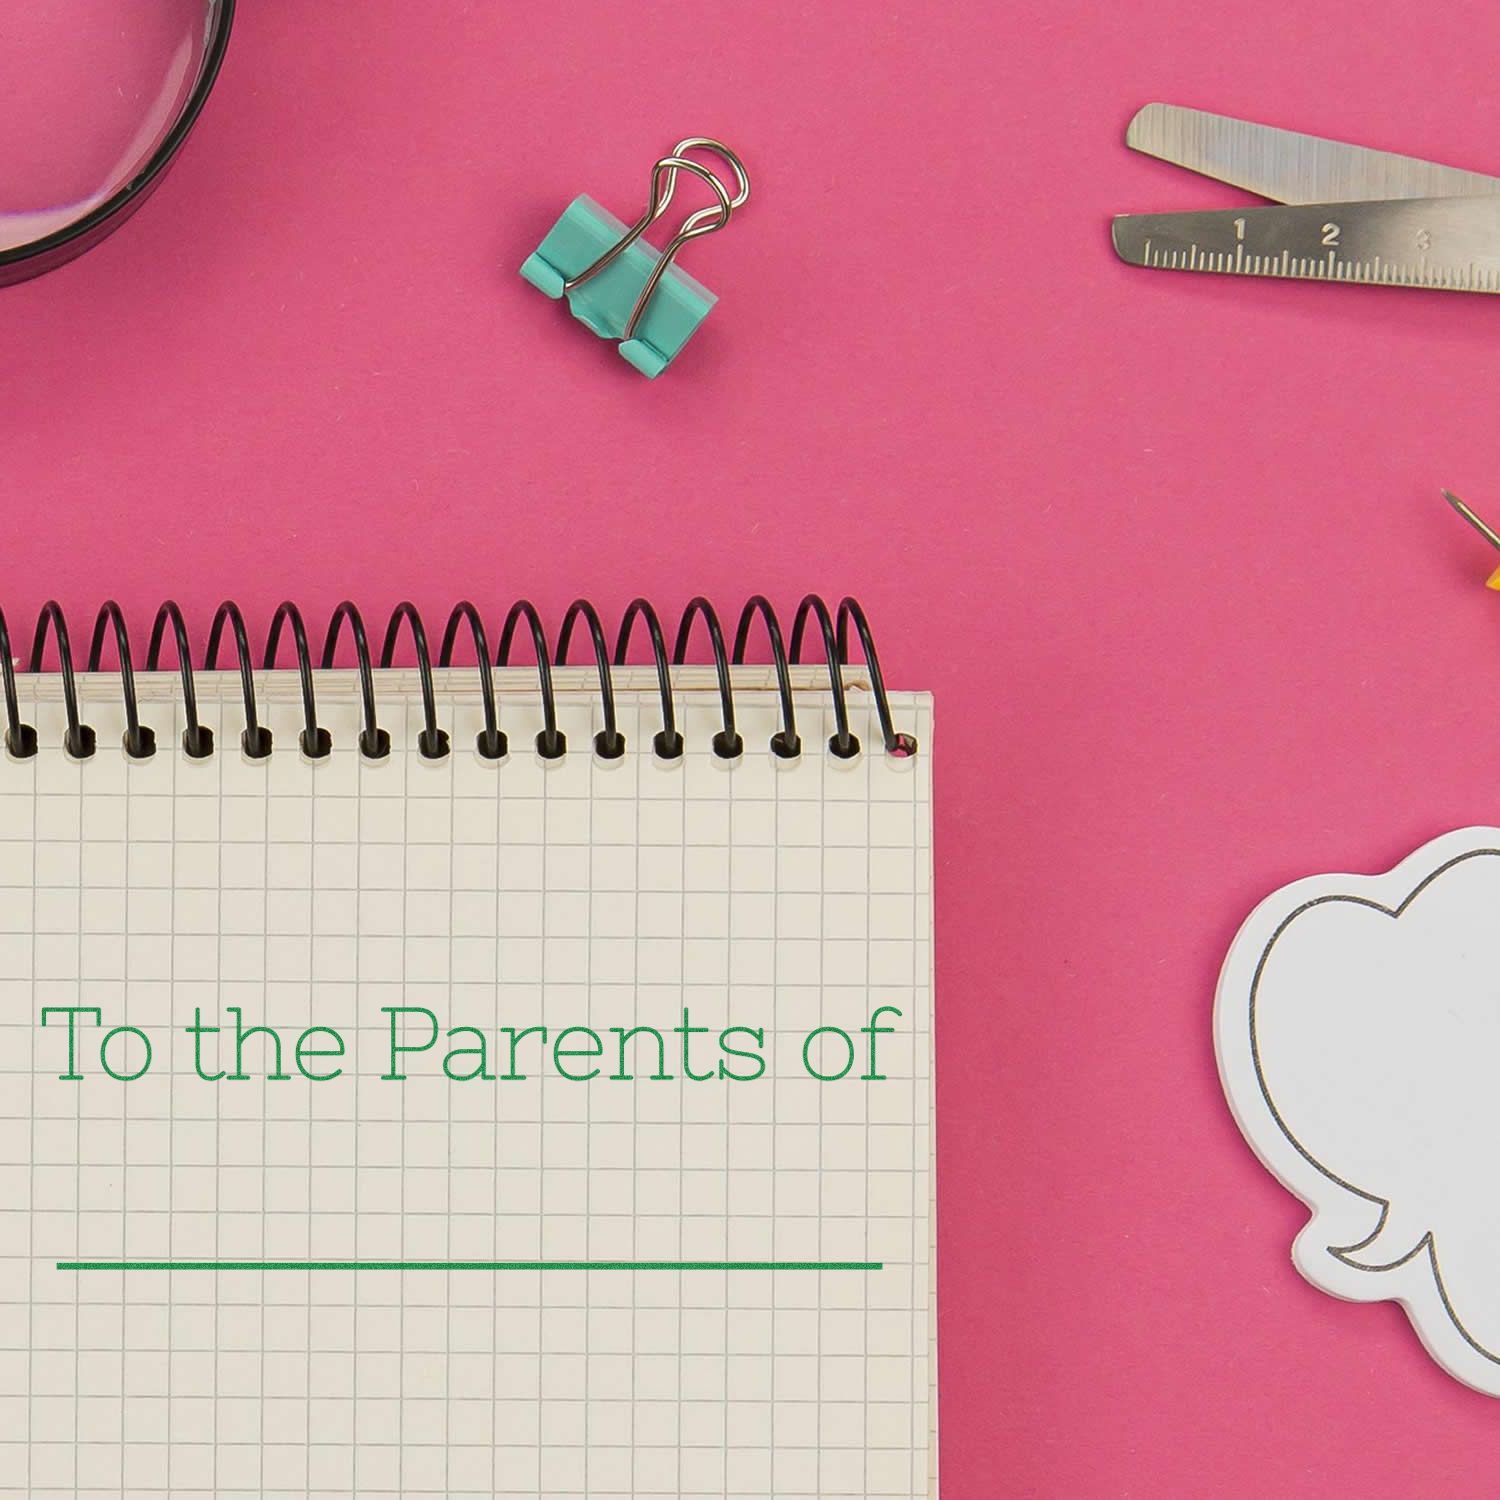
(435, 1079)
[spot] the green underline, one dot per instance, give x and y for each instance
(470, 1265)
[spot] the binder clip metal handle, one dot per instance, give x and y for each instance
(617, 284)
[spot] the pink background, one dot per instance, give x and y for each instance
(1169, 550)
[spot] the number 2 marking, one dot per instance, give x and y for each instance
(1330, 234)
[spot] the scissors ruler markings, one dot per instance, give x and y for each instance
(1468, 278)
(1345, 213)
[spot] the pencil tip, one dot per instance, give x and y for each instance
(1482, 527)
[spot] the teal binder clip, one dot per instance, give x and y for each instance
(620, 286)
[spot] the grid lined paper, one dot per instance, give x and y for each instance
(766, 894)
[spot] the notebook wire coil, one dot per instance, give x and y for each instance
(831, 631)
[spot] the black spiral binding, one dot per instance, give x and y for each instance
(374, 742)
(255, 741)
(432, 741)
(196, 740)
(667, 742)
(727, 743)
(609, 743)
(79, 741)
(491, 742)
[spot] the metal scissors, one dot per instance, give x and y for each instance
(1343, 213)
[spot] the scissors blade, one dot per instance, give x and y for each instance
(1289, 167)
(1447, 244)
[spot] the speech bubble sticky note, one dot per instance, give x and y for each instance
(1357, 1026)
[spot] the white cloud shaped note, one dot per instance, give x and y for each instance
(1357, 1026)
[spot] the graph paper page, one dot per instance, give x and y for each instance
(298, 1198)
